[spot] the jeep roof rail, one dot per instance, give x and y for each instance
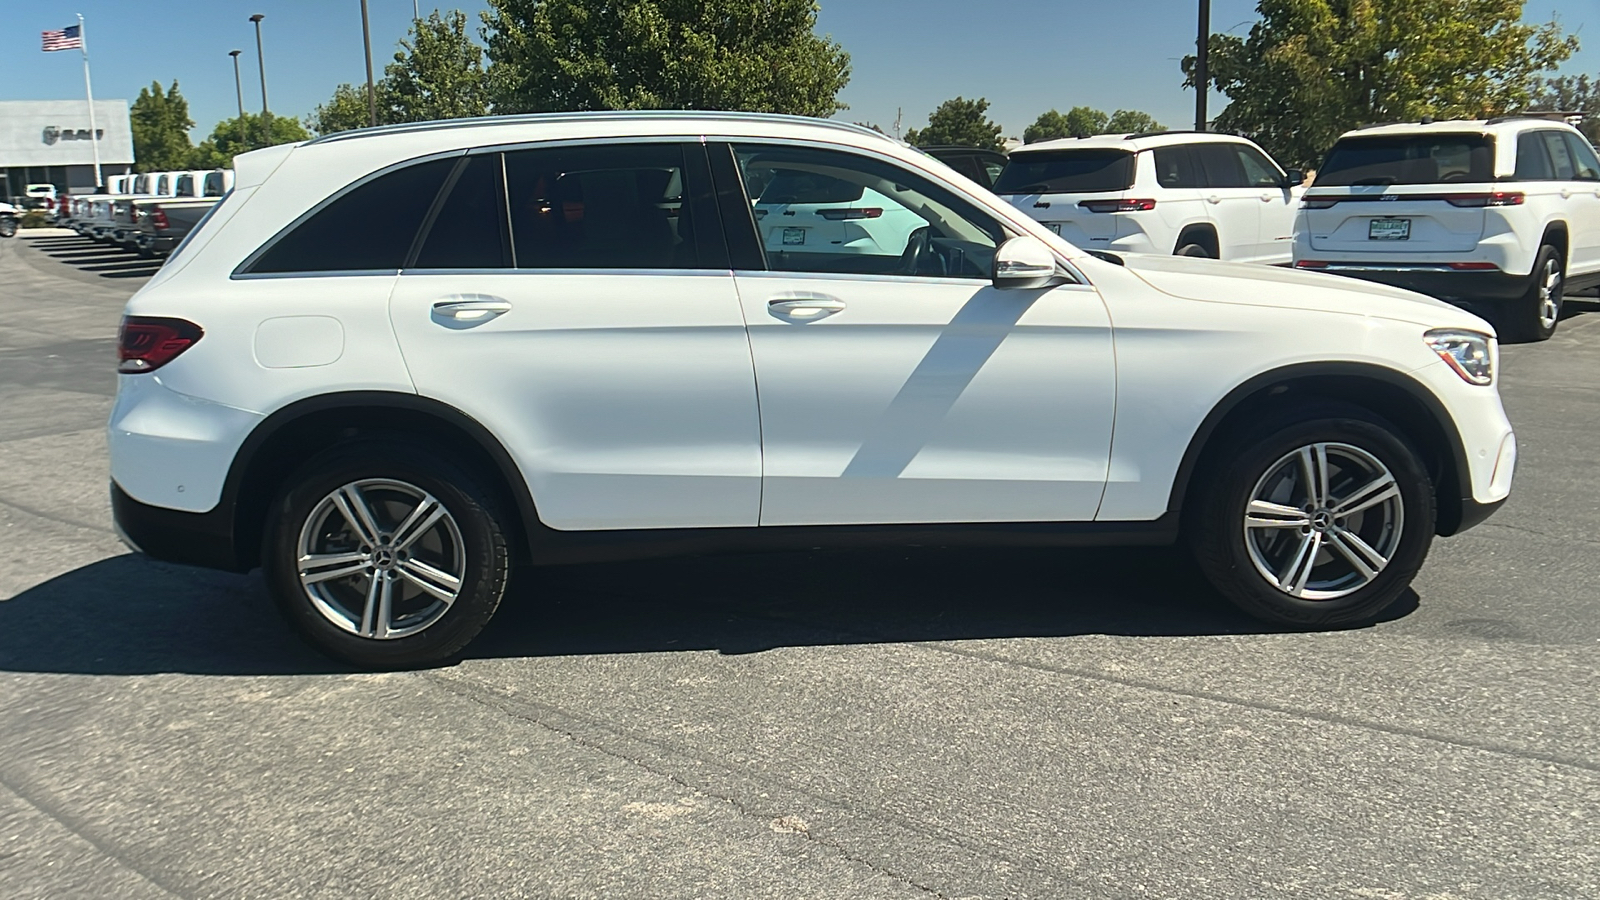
(1144, 134)
(1543, 115)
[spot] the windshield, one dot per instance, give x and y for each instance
(1066, 172)
(1409, 159)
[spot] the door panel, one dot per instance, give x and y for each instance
(1234, 206)
(626, 399)
(1585, 207)
(930, 401)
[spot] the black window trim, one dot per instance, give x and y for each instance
(242, 272)
(1577, 142)
(1543, 148)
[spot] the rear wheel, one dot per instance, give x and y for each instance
(1533, 317)
(1317, 518)
(385, 556)
(1195, 250)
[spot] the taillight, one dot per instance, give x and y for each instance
(1111, 206)
(146, 343)
(158, 219)
(837, 215)
(1310, 264)
(1497, 198)
(1318, 202)
(1473, 266)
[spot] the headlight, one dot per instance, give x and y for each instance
(1469, 353)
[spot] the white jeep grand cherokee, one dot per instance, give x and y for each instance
(1502, 216)
(394, 363)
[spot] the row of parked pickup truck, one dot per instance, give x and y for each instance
(150, 213)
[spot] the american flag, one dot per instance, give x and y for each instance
(68, 38)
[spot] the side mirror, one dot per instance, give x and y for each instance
(1024, 262)
(1294, 178)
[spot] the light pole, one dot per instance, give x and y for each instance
(372, 96)
(261, 60)
(1202, 68)
(238, 86)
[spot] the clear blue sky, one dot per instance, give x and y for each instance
(1026, 56)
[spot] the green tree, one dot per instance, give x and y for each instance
(960, 122)
(437, 74)
(1132, 121)
(1579, 94)
(1311, 69)
(347, 110)
(1082, 121)
(758, 55)
(161, 123)
(234, 136)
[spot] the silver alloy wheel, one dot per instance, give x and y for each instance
(1549, 290)
(1324, 521)
(381, 559)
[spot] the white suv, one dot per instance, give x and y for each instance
(1179, 192)
(1500, 215)
(393, 363)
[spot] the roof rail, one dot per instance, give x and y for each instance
(1544, 115)
(1145, 134)
(598, 115)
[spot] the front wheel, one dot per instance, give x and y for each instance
(385, 555)
(8, 226)
(1318, 519)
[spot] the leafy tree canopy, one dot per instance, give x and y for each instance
(960, 122)
(1084, 120)
(241, 135)
(1312, 69)
(436, 74)
(757, 55)
(161, 123)
(1579, 94)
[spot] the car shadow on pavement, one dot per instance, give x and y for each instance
(130, 615)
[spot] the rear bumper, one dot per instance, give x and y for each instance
(192, 539)
(1463, 287)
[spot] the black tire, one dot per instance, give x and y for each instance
(8, 227)
(1198, 251)
(477, 545)
(1527, 319)
(1215, 523)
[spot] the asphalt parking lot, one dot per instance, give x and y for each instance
(922, 723)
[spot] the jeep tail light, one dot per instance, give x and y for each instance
(839, 215)
(1319, 202)
(1111, 206)
(1497, 198)
(146, 343)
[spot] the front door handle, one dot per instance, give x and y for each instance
(805, 307)
(470, 309)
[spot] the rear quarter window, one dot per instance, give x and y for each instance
(1066, 172)
(1409, 159)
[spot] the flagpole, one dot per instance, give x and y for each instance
(88, 88)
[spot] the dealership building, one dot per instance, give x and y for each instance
(48, 141)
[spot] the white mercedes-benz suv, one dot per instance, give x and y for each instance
(1501, 216)
(394, 363)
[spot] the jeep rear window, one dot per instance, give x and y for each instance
(1066, 172)
(1409, 159)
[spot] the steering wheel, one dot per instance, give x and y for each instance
(918, 248)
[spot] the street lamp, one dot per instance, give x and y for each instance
(266, 116)
(372, 96)
(1202, 68)
(238, 86)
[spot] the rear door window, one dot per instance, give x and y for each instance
(369, 227)
(1221, 166)
(610, 207)
(1409, 159)
(1533, 160)
(1084, 171)
(1175, 168)
(1258, 170)
(1560, 156)
(1583, 157)
(470, 229)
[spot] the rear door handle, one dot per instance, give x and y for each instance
(805, 307)
(470, 309)
(1213, 199)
